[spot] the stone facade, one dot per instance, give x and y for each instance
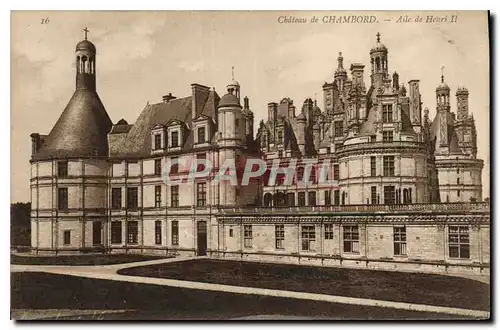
(99, 187)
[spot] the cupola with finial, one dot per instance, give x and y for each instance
(443, 94)
(85, 64)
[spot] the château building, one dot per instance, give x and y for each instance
(407, 192)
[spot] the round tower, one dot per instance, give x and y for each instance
(69, 169)
(231, 139)
(443, 95)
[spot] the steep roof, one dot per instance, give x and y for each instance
(137, 142)
(80, 131)
(452, 134)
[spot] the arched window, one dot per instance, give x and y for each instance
(377, 64)
(78, 64)
(268, 199)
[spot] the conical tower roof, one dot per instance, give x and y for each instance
(80, 131)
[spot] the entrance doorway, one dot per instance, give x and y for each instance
(202, 238)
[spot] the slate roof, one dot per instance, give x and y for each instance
(137, 142)
(452, 134)
(80, 131)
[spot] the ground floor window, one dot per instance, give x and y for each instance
(96, 232)
(328, 231)
(458, 241)
(308, 238)
(116, 232)
(279, 231)
(175, 232)
(351, 239)
(247, 236)
(67, 237)
(132, 232)
(399, 241)
(157, 232)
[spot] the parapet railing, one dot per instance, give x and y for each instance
(482, 207)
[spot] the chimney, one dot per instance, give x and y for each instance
(272, 109)
(245, 103)
(167, 98)
(395, 80)
(357, 71)
(415, 103)
(199, 96)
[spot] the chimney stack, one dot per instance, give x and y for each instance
(167, 98)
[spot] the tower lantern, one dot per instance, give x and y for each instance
(85, 64)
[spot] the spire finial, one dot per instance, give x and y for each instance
(86, 31)
(232, 73)
(340, 60)
(378, 36)
(442, 74)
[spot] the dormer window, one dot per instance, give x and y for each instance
(387, 113)
(158, 138)
(280, 137)
(174, 139)
(157, 141)
(264, 141)
(201, 135)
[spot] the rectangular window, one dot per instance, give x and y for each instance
(290, 198)
(387, 136)
(174, 139)
(400, 241)
(174, 167)
(387, 113)
(336, 197)
(157, 142)
(67, 237)
(338, 128)
(328, 231)
(311, 196)
(201, 135)
(158, 232)
(302, 198)
(373, 166)
(96, 232)
(351, 239)
(174, 196)
(116, 198)
(132, 232)
(201, 166)
(132, 198)
(279, 233)
(328, 197)
(308, 238)
(62, 199)
(157, 167)
(116, 232)
(175, 232)
(62, 169)
(231, 232)
(336, 171)
(389, 195)
(280, 137)
(157, 196)
(374, 195)
(458, 242)
(201, 194)
(388, 165)
(247, 236)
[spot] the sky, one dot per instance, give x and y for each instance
(142, 56)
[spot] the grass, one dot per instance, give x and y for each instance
(80, 260)
(436, 290)
(32, 293)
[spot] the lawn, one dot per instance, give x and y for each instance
(436, 290)
(32, 293)
(80, 260)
